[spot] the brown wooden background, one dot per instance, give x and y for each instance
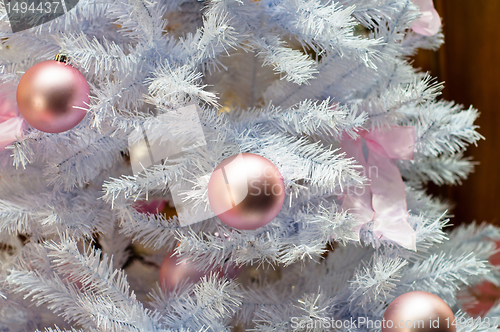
(469, 64)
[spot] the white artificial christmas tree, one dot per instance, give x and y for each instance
(290, 80)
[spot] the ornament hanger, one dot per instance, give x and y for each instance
(61, 57)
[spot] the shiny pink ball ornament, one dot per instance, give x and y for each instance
(246, 191)
(52, 96)
(173, 271)
(418, 312)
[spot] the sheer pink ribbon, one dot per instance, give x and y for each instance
(429, 23)
(383, 200)
(11, 124)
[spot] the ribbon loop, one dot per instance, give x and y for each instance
(11, 124)
(384, 199)
(394, 144)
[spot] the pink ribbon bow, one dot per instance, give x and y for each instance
(11, 124)
(383, 200)
(429, 23)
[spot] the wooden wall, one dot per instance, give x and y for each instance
(469, 64)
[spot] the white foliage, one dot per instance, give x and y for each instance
(297, 77)
(209, 304)
(296, 66)
(323, 26)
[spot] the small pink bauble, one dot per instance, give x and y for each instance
(173, 271)
(418, 312)
(152, 207)
(246, 191)
(230, 271)
(70, 278)
(52, 96)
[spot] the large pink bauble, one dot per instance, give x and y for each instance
(246, 191)
(52, 96)
(418, 312)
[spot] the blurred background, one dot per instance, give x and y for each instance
(469, 65)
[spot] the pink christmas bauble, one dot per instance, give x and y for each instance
(52, 96)
(70, 278)
(151, 207)
(246, 191)
(174, 270)
(418, 312)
